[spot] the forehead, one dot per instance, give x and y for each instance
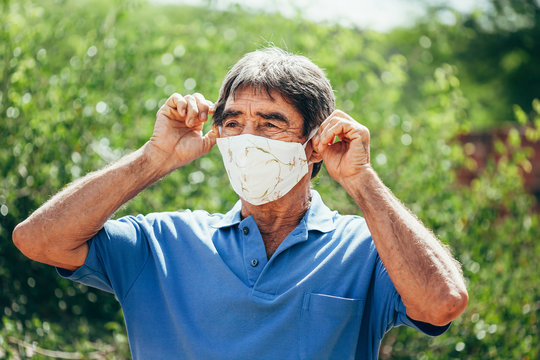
(247, 99)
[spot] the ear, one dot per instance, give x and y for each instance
(315, 155)
(215, 128)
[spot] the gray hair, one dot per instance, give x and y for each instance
(296, 78)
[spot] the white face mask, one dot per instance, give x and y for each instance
(261, 169)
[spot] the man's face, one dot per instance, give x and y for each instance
(254, 112)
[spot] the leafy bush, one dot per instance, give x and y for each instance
(80, 88)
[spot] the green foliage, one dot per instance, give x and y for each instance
(81, 82)
(496, 50)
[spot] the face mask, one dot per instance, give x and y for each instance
(261, 169)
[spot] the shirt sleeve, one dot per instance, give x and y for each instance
(389, 303)
(116, 256)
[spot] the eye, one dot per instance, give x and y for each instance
(270, 125)
(231, 124)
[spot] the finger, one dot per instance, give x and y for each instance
(317, 137)
(167, 111)
(203, 105)
(192, 111)
(325, 123)
(173, 99)
(345, 129)
(178, 102)
(328, 122)
(328, 138)
(331, 129)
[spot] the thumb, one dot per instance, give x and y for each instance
(209, 140)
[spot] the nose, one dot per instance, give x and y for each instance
(250, 128)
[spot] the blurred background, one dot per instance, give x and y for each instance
(449, 91)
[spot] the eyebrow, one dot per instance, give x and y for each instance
(274, 116)
(269, 116)
(229, 113)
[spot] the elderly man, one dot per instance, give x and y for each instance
(279, 276)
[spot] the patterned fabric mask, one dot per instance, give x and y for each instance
(261, 169)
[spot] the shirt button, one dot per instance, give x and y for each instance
(246, 230)
(254, 262)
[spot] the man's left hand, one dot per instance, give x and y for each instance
(348, 156)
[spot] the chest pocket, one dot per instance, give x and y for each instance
(329, 327)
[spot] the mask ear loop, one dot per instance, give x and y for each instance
(311, 135)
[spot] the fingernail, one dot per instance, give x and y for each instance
(203, 115)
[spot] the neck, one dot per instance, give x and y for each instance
(278, 218)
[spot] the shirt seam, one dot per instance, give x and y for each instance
(124, 297)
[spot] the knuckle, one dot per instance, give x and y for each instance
(364, 131)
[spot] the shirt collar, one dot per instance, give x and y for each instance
(231, 218)
(318, 217)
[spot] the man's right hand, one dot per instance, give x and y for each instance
(57, 232)
(178, 139)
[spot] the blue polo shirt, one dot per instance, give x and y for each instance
(194, 285)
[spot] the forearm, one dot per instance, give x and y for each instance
(423, 271)
(57, 232)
